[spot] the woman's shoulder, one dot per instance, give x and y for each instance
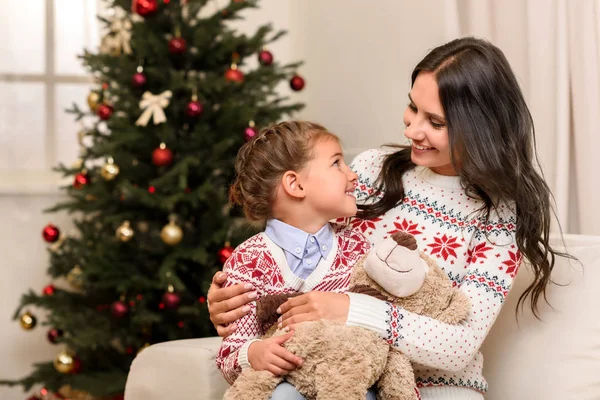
(369, 161)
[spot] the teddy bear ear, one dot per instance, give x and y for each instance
(405, 239)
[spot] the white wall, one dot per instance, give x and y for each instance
(358, 61)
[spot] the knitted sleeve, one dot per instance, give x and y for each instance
(233, 354)
(492, 263)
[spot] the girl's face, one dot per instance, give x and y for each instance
(426, 126)
(329, 183)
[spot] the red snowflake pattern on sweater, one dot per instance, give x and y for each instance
(444, 246)
(405, 226)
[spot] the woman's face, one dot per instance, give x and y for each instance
(426, 126)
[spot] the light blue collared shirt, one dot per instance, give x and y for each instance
(302, 250)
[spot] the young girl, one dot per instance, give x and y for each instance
(293, 176)
(469, 191)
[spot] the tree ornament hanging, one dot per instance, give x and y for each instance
(250, 131)
(104, 112)
(138, 79)
(118, 38)
(171, 234)
(265, 57)
(225, 253)
(234, 75)
(66, 362)
(171, 299)
(119, 309)
(194, 108)
(50, 233)
(125, 232)
(162, 156)
(297, 83)
(110, 170)
(177, 45)
(49, 290)
(28, 321)
(75, 277)
(93, 100)
(54, 335)
(81, 179)
(153, 105)
(144, 8)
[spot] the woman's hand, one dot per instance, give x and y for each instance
(314, 306)
(227, 305)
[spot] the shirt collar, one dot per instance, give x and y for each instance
(294, 240)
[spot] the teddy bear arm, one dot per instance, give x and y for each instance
(398, 380)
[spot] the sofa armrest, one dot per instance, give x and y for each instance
(179, 369)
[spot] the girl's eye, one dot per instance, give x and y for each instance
(336, 163)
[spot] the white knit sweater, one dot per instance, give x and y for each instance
(480, 258)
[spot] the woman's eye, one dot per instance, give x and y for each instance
(436, 125)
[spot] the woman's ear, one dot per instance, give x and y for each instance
(291, 184)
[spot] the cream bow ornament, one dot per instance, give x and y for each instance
(153, 105)
(119, 38)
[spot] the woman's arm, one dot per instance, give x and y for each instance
(486, 282)
(227, 303)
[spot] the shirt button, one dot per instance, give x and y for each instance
(298, 250)
(324, 247)
(309, 262)
(312, 239)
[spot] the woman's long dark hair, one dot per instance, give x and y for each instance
(492, 144)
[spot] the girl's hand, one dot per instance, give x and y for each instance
(314, 306)
(270, 355)
(227, 305)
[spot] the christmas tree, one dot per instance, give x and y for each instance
(175, 99)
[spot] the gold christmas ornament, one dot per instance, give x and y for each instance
(64, 362)
(28, 321)
(75, 277)
(93, 100)
(110, 170)
(171, 233)
(125, 232)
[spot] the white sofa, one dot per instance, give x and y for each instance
(557, 358)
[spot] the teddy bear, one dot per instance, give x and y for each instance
(343, 362)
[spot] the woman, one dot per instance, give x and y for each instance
(468, 190)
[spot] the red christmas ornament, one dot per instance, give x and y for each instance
(104, 111)
(151, 189)
(54, 334)
(49, 290)
(297, 83)
(201, 299)
(144, 8)
(81, 179)
(138, 80)
(162, 156)
(224, 254)
(76, 365)
(171, 300)
(234, 75)
(119, 309)
(194, 109)
(249, 133)
(50, 233)
(181, 324)
(177, 45)
(265, 57)
(122, 396)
